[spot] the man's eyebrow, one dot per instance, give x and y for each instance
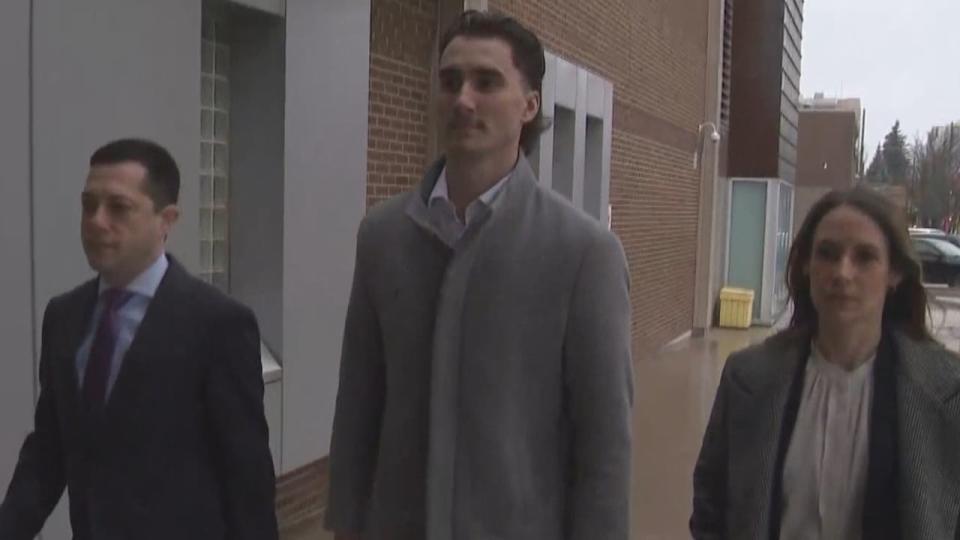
(479, 70)
(109, 197)
(487, 72)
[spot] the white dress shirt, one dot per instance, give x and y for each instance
(825, 472)
(443, 213)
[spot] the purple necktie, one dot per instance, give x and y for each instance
(97, 374)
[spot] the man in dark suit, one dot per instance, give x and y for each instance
(151, 403)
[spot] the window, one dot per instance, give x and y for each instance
(214, 150)
(241, 144)
(573, 156)
(593, 168)
(564, 141)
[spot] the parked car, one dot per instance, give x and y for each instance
(924, 230)
(935, 233)
(940, 259)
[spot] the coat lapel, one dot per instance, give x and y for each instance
(416, 207)
(157, 332)
(514, 195)
(928, 392)
(511, 203)
(761, 422)
(78, 317)
(881, 514)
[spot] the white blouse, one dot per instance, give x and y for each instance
(825, 472)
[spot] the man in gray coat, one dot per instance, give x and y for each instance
(485, 383)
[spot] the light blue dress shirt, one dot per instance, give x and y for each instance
(129, 318)
(443, 213)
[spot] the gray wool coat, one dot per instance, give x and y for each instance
(485, 391)
(734, 477)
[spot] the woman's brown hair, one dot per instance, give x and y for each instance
(905, 306)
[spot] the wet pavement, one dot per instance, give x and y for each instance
(674, 393)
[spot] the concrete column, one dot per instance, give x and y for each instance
(17, 391)
(325, 171)
(707, 238)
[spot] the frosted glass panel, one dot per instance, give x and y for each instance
(784, 232)
(748, 216)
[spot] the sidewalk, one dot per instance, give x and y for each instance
(674, 390)
(674, 394)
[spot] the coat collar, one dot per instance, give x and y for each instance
(934, 370)
(521, 184)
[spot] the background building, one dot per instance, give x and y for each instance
(828, 156)
(290, 118)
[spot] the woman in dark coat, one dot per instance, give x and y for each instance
(847, 424)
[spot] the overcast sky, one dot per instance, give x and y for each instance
(900, 57)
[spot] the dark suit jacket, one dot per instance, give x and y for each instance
(735, 480)
(180, 451)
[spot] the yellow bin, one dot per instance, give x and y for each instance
(736, 307)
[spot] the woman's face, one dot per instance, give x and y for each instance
(849, 269)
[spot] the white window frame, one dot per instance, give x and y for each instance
(570, 86)
(215, 141)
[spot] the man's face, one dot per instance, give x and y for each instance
(121, 230)
(484, 100)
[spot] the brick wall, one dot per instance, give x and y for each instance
(826, 149)
(654, 52)
(402, 34)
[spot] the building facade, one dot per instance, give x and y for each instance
(828, 154)
(291, 118)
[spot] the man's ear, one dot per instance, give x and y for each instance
(532, 106)
(168, 217)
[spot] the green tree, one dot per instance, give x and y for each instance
(895, 160)
(877, 172)
(935, 172)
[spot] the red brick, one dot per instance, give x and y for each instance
(654, 53)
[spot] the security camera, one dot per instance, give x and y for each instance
(714, 134)
(714, 137)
